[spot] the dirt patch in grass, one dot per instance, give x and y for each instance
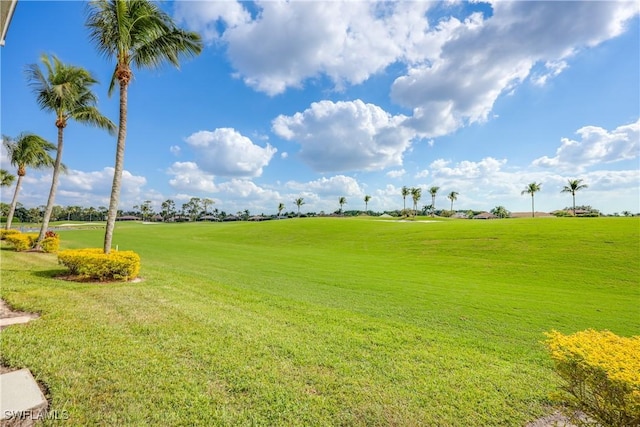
(84, 279)
(6, 312)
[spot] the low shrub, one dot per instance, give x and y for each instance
(4, 233)
(50, 244)
(94, 264)
(21, 241)
(601, 374)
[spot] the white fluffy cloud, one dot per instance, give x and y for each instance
(398, 173)
(79, 188)
(596, 145)
(187, 176)
(344, 136)
(288, 42)
(226, 152)
(456, 68)
(338, 185)
(484, 58)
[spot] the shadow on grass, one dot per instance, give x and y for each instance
(51, 274)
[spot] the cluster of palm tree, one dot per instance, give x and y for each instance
(416, 194)
(132, 33)
(573, 186)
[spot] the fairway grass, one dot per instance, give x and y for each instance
(322, 321)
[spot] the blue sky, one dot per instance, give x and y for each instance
(327, 99)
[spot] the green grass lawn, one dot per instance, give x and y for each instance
(322, 321)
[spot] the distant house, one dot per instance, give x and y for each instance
(231, 218)
(128, 218)
(208, 218)
(157, 218)
(259, 218)
(485, 215)
(179, 218)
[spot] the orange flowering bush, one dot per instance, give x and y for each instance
(94, 264)
(601, 373)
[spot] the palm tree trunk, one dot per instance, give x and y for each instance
(117, 173)
(451, 205)
(14, 202)
(533, 211)
(433, 206)
(574, 203)
(52, 192)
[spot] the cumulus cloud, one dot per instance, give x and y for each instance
(345, 136)
(483, 58)
(398, 173)
(226, 152)
(175, 150)
(80, 188)
(338, 185)
(208, 17)
(285, 43)
(187, 176)
(596, 145)
(456, 69)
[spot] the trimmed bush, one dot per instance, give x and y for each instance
(4, 233)
(50, 244)
(22, 242)
(601, 373)
(94, 264)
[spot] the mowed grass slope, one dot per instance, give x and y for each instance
(323, 321)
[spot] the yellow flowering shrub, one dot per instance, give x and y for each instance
(21, 241)
(601, 374)
(5, 233)
(51, 242)
(94, 264)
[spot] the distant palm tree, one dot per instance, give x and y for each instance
(64, 90)
(28, 150)
(367, 198)
(574, 185)
(6, 179)
(138, 33)
(532, 189)
(299, 202)
(341, 201)
(453, 196)
(500, 212)
(405, 192)
(280, 208)
(416, 194)
(433, 191)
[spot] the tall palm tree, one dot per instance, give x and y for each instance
(573, 186)
(280, 209)
(405, 192)
(299, 202)
(28, 150)
(532, 189)
(453, 196)
(64, 90)
(367, 199)
(416, 194)
(341, 201)
(6, 179)
(433, 191)
(134, 33)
